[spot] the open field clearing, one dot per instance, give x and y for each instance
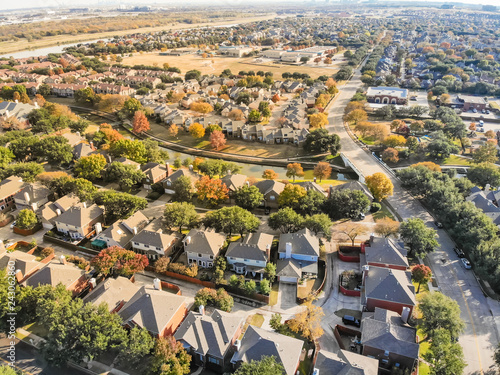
(23, 44)
(206, 66)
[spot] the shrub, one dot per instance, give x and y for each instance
(191, 271)
(162, 264)
(375, 207)
(250, 287)
(47, 251)
(154, 195)
(218, 298)
(233, 281)
(79, 261)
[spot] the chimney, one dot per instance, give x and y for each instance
(98, 228)
(268, 251)
(237, 345)
(92, 283)
(62, 259)
(229, 173)
(36, 105)
(27, 197)
(58, 211)
(135, 230)
(78, 133)
(487, 188)
(92, 145)
(19, 276)
(247, 183)
(188, 240)
(330, 190)
(314, 179)
(201, 310)
(366, 268)
(84, 204)
(16, 101)
(167, 165)
(372, 237)
(157, 284)
(288, 250)
(190, 167)
(109, 159)
(405, 315)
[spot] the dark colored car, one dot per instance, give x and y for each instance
(351, 320)
(459, 252)
(438, 224)
(267, 210)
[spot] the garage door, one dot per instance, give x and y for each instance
(288, 279)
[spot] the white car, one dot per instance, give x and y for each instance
(466, 263)
(13, 224)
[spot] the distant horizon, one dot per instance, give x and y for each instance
(65, 4)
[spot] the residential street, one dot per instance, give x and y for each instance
(481, 314)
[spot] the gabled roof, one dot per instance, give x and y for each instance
(266, 186)
(55, 273)
(234, 181)
(182, 172)
(204, 242)
(82, 149)
(390, 285)
(36, 192)
(209, 334)
(154, 170)
(310, 185)
(253, 247)
(258, 342)
(80, 215)
(345, 363)
(10, 186)
(304, 242)
(288, 268)
(386, 251)
(22, 261)
(355, 185)
(112, 291)
(151, 309)
(386, 331)
(49, 210)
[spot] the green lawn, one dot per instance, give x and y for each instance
(383, 212)
(36, 329)
(273, 296)
(423, 368)
(456, 160)
(256, 320)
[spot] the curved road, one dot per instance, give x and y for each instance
(481, 314)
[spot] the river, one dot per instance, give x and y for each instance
(45, 51)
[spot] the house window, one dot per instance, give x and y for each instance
(213, 360)
(386, 353)
(158, 248)
(272, 198)
(199, 255)
(136, 243)
(211, 257)
(169, 183)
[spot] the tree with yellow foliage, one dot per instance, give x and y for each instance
(394, 141)
(386, 227)
(380, 185)
(356, 116)
(197, 130)
(201, 107)
(308, 321)
(173, 130)
(428, 164)
(318, 120)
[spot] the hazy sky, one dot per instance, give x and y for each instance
(78, 3)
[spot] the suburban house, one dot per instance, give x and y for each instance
(121, 232)
(345, 362)
(80, 220)
(312, 185)
(250, 255)
(82, 149)
(158, 311)
(19, 111)
(233, 182)
(258, 342)
(24, 264)
(209, 338)
(271, 190)
(385, 252)
(32, 196)
(388, 289)
(8, 188)
(51, 210)
(386, 336)
(298, 256)
(154, 173)
(202, 246)
(387, 95)
(168, 182)
(59, 271)
(353, 185)
(114, 292)
(487, 201)
(470, 102)
(151, 241)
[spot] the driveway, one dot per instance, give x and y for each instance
(288, 296)
(480, 337)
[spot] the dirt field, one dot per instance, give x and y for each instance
(205, 66)
(23, 44)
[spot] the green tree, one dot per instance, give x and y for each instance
(90, 167)
(270, 271)
(484, 173)
(183, 189)
(311, 204)
(421, 274)
(22, 147)
(286, 220)
(7, 370)
(119, 205)
(154, 153)
(248, 197)
(179, 214)
(440, 147)
(346, 204)
(294, 170)
(231, 220)
(444, 356)
(131, 149)
(418, 236)
(6, 156)
(266, 366)
(27, 171)
(79, 125)
(264, 286)
(126, 175)
(275, 322)
(27, 219)
(292, 196)
(86, 95)
(440, 312)
(131, 106)
(138, 345)
(320, 140)
(192, 74)
(486, 153)
(254, 116)
(170, 357)
(319, 223)
(250, 287)
(56, 150)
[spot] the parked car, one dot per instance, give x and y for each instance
(483, 111)
(466, 263)
(438, 224)
(351, 320)
(267, 210)
(474, 110)
(413, 98)
(13, 224)
(459, 252)
(487, 111)
(481, 123)
(480, 130)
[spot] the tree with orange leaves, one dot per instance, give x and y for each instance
(140, 122)
(294, 170)
(212, 191)
(217, 139)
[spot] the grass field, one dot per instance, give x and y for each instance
(205, 66)
(273, 296)
(23, 44)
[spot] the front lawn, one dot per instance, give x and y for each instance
(456, 160)
(273, 296)
(383, 212)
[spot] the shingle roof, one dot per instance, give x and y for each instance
(36, 192)
(386, 331)
(355, 185)
(22, 261)
(253, 247)
(303, 243)
(151, 309)
(112, 291)
(55, 273)
(10, 186)
(80, 215)
(258, 342)
(288, 268)
(204, 242)
(234, 181)
(153, 235)
(209, 334)
(386, 251)
(389, 285)
(345, 363)
(49, 210)
(266, 186)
